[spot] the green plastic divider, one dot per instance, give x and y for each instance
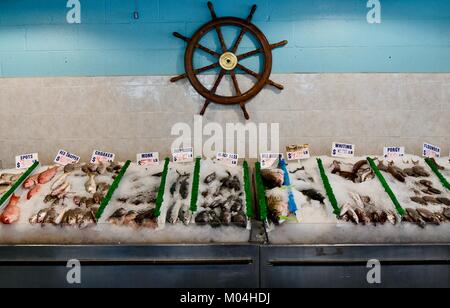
(112, 189)
(248, 191)
(329, 189)
(436, 171)
(18, 183)
(400, 210)
(162, 188)
(195, 185)
(261, 193)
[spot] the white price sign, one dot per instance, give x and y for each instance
(431, 151)
(393, 152)
(148, 159)
(298, 152)
(269, 159)
(25, 161)
(343, 150)
(101, 156)
(183, 155)
(228, 159)
(65, 158)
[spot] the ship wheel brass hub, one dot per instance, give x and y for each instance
(228, 61)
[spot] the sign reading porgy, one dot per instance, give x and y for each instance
(65, 158)
(393, 152)
(101, 156)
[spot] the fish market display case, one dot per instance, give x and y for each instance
(121, 249)
(336, 266)
(154, 266)
(341, 254)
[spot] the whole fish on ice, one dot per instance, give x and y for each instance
(48, 175)
(11, 214)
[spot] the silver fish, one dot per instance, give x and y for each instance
(117, 217)
(61, 180)
(87, 220)
(174, 212)
(185, 214)
(347, 211)
(101, 168)
(60, 189)
(3, 189)
(39, 217)
(90, 185)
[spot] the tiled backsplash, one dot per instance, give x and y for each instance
(127, 115)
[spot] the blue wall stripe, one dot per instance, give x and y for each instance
(324, 36)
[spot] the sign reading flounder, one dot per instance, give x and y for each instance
(65, 158)
(431, 151)
(343, 150)
(26, 160)
(148, 159)
(101, 156)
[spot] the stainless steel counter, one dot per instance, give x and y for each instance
(346, 266)
(194, 266)
(246, 265)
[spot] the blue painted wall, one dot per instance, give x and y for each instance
(324, 36)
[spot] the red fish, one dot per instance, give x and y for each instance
(11, 214)
(31, 181)
(47, 176)
(33, 192)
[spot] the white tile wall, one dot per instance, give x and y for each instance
(127, 115)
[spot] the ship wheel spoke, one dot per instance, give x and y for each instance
(213, 90)
(196, 71)
(221, 39)
(229, 60)
(218, 29)
(243, 30)
(258, 76)
(198, 45)
(238, 93)
(235, 83)
(260, 50)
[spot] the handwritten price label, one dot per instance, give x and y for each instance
(343, 150)
(298, 152)
(25, 161)
(269, 159)
(393, 152)
(228, 159)
(431, 151)
(148, 159)
(183, 155)
(101, 156)
(65, 158)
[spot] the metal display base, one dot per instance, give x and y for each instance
(248, 265)
(156, 266)
(335, 266)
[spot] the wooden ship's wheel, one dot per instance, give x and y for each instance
(228, 61)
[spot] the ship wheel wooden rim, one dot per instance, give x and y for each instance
(228, 61)
(210, 93)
